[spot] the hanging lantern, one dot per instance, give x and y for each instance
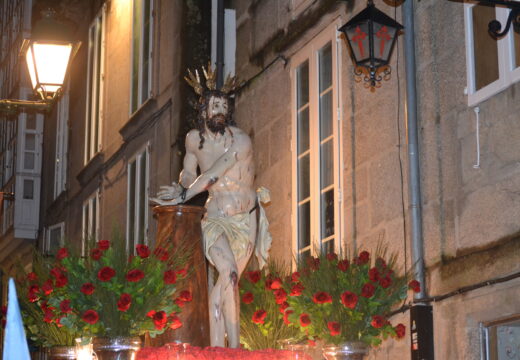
(371, 36)
(48, 55)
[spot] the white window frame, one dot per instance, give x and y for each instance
(60, 164)
(141, 54)
(95, 72)
(90, 220)
(132, 218)
(508, 74)
(47, 245)
(310, 53)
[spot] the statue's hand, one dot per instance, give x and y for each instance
(170, 192)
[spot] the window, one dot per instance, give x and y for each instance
(95, 81)
(54, 239)
(90, 223)
(141, 53)
(501, 339)
(137, 199)
(316, 145)
(60, 165)
(492, 65)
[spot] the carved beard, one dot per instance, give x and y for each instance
(217, 124)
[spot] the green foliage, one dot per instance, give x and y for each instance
(256, 336)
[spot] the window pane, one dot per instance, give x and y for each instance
(485, 47)
(28, 161)
(30, 142)
(326, 115)
(326, 164)
(328, 246)
(304, 225)
(131, 205)
(304, 255)
(94, 218)
(303, 131)
(30, 123)
(136, 43)
(28, 189)
(325, 63)
(303, 178)
(142, 198)
(146, 51)
(97, 80)
(516, 39)
(302, 84)
(54, 240)
(327, 214)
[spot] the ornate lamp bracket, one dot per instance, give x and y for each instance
(494, 26)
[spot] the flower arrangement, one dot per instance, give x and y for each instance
(262, 304)
(108, 294)
(341, 300)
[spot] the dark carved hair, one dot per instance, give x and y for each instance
(202, 107)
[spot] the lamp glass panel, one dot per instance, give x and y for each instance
(31, 67)
(359, 41)
(485, 47)
(51, 64)
(383, 42)
(516, 44)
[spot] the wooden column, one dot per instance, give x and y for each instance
(180, 225)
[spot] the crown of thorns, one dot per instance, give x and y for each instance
(210, 83)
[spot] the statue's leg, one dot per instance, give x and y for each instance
(223, 292)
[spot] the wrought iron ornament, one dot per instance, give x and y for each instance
(494, 26)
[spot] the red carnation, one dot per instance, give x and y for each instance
(385, 282)
(286, 316)
(248, 298)
(343, 265)
(125, 300)
(276, 284)
(283, 306)
(175, 322)
(368, 290)
(103, 244)
(96, 253)
(65, 306)
(62, 254)
(349, 299)
(332, 256)
(47, 287)
(61, 281)
(87, 288)
(142, 250)
(169, 277)
(185, 296)
(415, 286)
(134, 275)
(259, 316)
(253, 276)
(159, 320)
(90, 316)
(280, 296)
(161, 254)
(297, 289)
(32, 276)
(305, 320)
(295, 277)
(373, 274)
(322, 297)
(400, 331)
(106, 273)
(334, 328)
(182, 272)
(377, 321)
(179, 302)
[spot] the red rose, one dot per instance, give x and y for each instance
(286, 316)
(103, 244)
(61, 281)
(150, 313)
(182, 272)
(377, 321)
(48, 316)
(368, 290)
(62, 254)
(400, 330)
(332, 256)
(90, 316)
(322, 297)
(268, 283)
(254, 276)
(170, 277)
(159, 320)
(297, 289)
(380, 263)
(343, 265)
(373, 274)
(283, 306)
(106, 273)
(415, 286)
(175, 322)
(3, 310)
(32, 297)
(305, 320)
(96, 253)
(248, 298)
(314, 263)
(363, 258)
(280, 296)
(259, 316)
(134, 275)
(385, 282)
(32, 276)
(349, 299)
(161, 254)
(55, 272)
(87, 288)
(334, 328)
(185, 296)
(295, 277)
(65, 306)
(179, 302)
(125, 300)
(33, 289)
(142, 250)
(47, 287)
(276, 284)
